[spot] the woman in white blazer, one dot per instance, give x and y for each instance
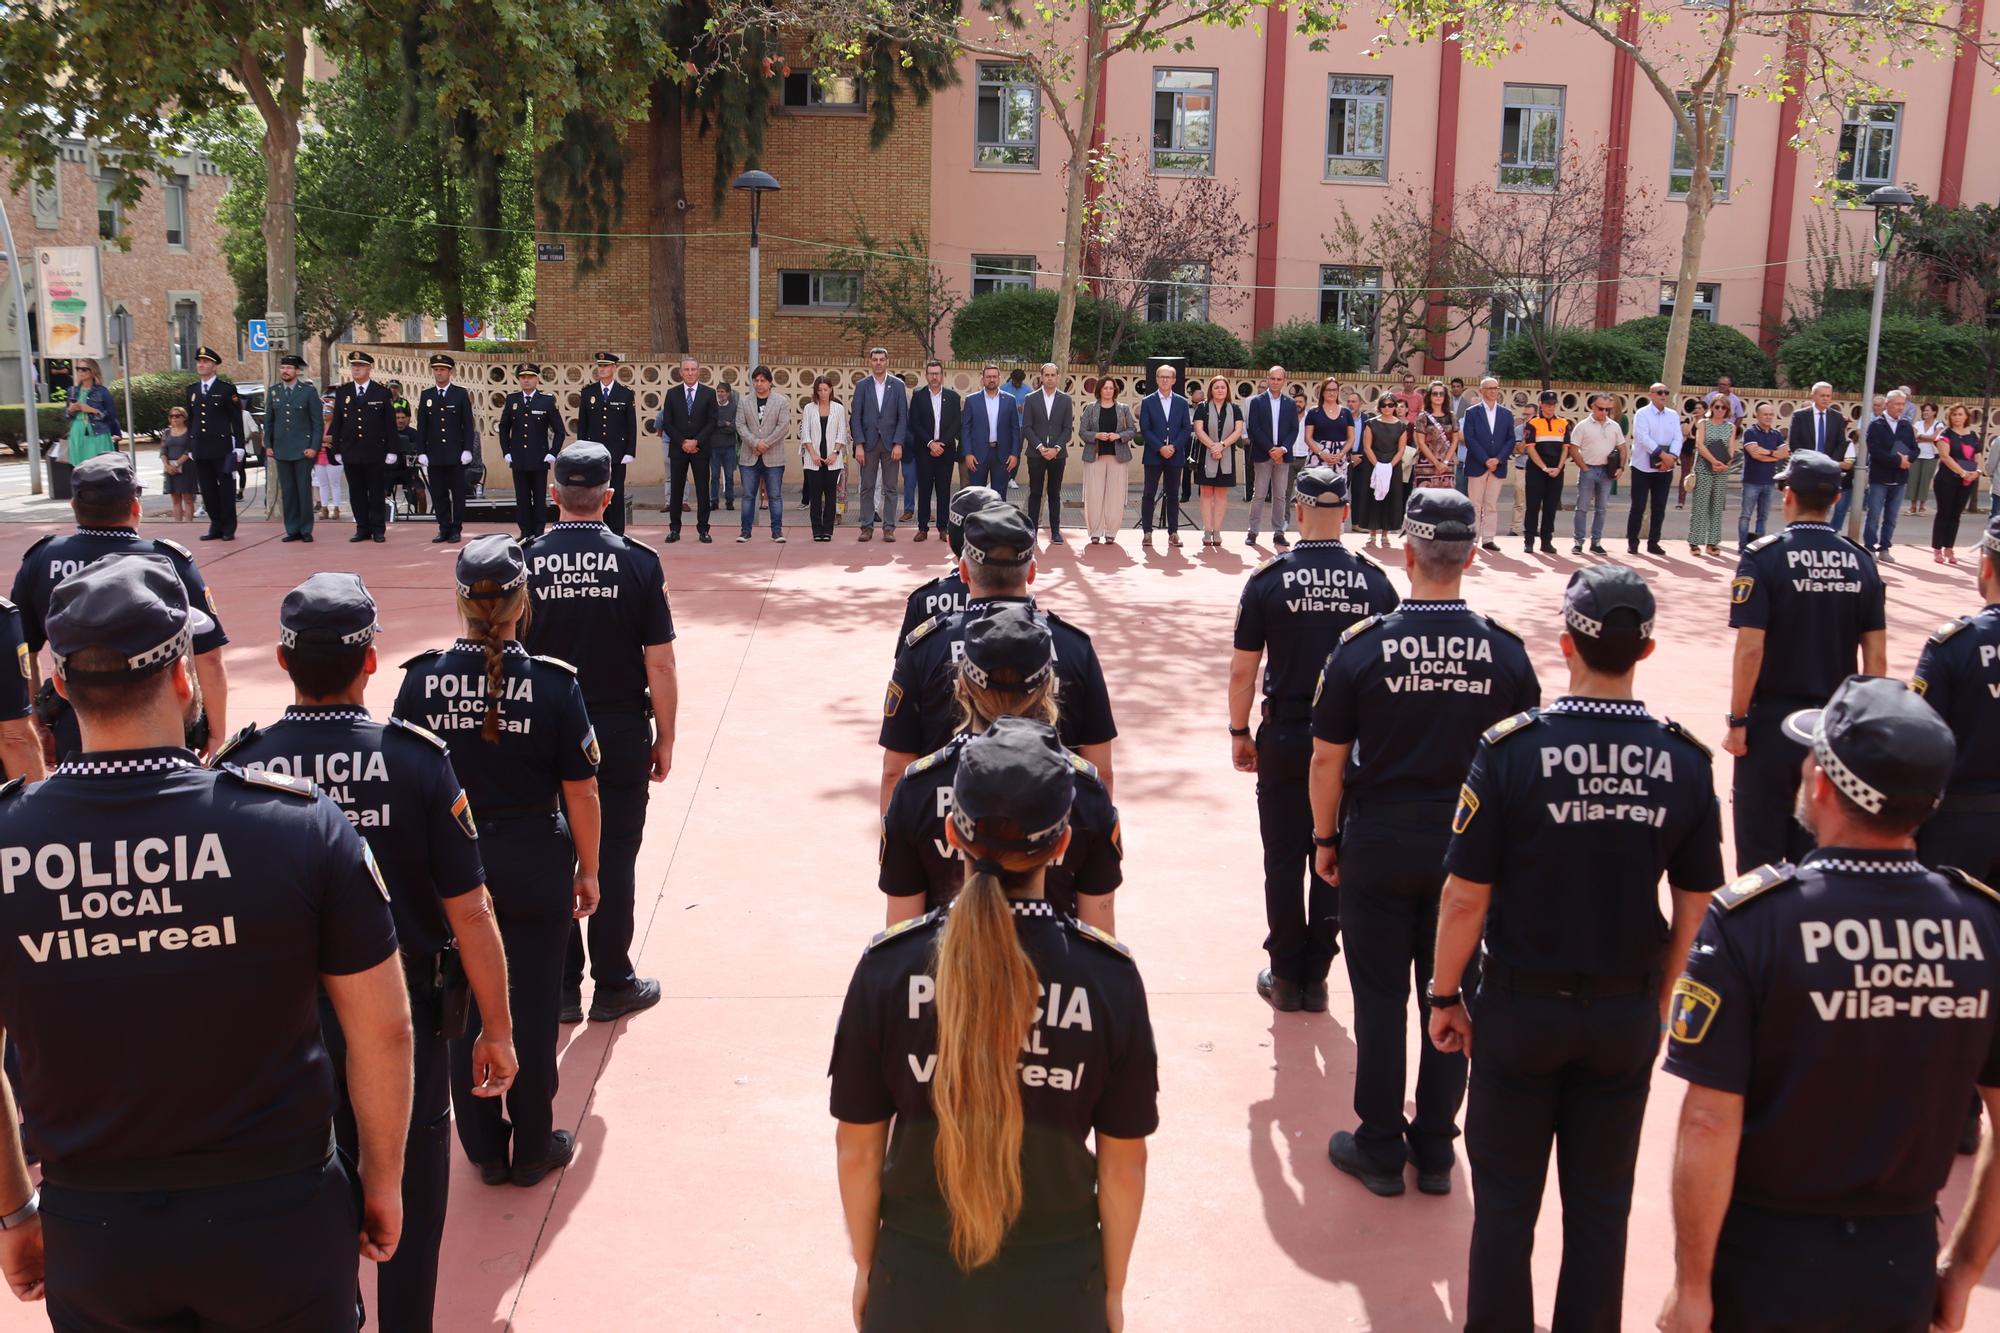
(823, 444)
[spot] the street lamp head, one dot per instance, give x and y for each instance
(760, 182)
(1891, 196)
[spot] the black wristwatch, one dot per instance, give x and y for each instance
(1239, 731)
(1734, 721)
(1437, 1001)
(1330, 840)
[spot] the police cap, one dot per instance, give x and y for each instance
(1813, 476)
(104, 479)
(292, 359)
(328, 610)
(606, 359)
(1007, 646)
(1439, 514)
(1885, 748)
(441, 361)
(584, 463)
(495, 558)
(1596, 593)
(527, 368)
(134, 604)
(1014, 787)
(1321, 487)
(208, 354)
(967, 501)
(998, 535)
(1989, 541)
(360, 358)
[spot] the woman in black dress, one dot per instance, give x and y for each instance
(1378, 488)
(1218, 430)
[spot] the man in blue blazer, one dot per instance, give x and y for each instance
(1166, 428)
(1273, 420)
(1488, 429)
(881, 431)
(990, 434)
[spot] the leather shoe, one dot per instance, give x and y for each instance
(210, 536)
(357, 537)
(673, 536)
(439, 539)
(572, 1007)
(1434, 1182)
(562, 1151)
(1345, 1154)
(1654, 548)
(1315, 999)
(921, 536)
(606, 1005)
(289, 537)
(380, 538)
(706, 539)
(1284, 996)
(494, 1173)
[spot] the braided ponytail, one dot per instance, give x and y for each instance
(493, 618)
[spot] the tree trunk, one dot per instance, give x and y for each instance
(281, 231)
(451, 256)
(1080, 145)
(666, 219)
(1700, 199)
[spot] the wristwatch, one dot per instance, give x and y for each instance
(1735, 721)
(1437, 1001)
(1239, 731)
(1330, 840)
(21, 1215)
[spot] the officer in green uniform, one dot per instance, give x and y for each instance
(292, 423)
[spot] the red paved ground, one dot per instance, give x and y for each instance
(703, 1195)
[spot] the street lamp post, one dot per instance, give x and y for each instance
(757, 184)
(1885, 201)
(30, 422)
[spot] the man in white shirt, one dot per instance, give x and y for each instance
(1656, 450)
(881, 427)
(1597, 443)
(1271, 421)
(991, 427)
(1049, 420)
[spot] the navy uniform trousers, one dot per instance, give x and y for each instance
(1764, 787)
(1776, 1270)
(1303, 923)
(916, 1287)
(531, 494)
(624, 784)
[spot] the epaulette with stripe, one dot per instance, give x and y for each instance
(13, 787)
(302, 788)
(1673, 728)
(934, 758)
(173, 545)
(1952, 873)
(1949, 628)
(422, 733)
(916, 635)
(1507, 726)
(1368, 622)
(902, 928)
(1099, 937)
(1764, 541)
(424, 656)
(554, 662)
(1754, 884)
(233, 743)
(1505, 629)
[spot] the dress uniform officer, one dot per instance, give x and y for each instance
(1008, 670)
(1398, 714)
(395, 784)
(361, 432)
(215, 419)
(602, 599)
(607, 413)
(169, 927)
(294, 421)
(946, 593)
(104, 496)
(1012, 1034)
(1832, 1017)
(531, 435)
(1568, 819)
(449, 440)
(998, 566)
(1958, 672)
(20, 744)
(1804, 602)
(526, 754)
(1297, 605)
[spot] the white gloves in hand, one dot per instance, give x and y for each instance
(465, 458)
(626, 461)
(423, 460)
(390, 459)
(236, 454)
(548, 460)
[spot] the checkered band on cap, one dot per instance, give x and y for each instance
(1412, 528)
(1846, 779)
(158, 655)
(968, 828)
(1989, 542)
(519, 577)
(1594, 629)
(289, 638)
(980, 677)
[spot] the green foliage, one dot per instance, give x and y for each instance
(1019, 326)
(14, 424)
(1206, 346)
(1302, 346)
(902, 291)
(1714, 350)
(1930, 356)
(1584, 356)
(152, 395)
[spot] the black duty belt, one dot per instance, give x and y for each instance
(1435, 810)
(1287, 710)
(1567, 985)
(1972, 803)
(532, 810)
(196, 1170)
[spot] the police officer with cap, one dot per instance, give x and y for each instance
(1019, 1226)
(1399, 711)
(361, 433)
(531, 435)
(20, 744)
(1008, 669)
(946, 593)
(1805, 603)
(1832, 1016)
(173, 1078)
(606, 412)
(528, 758)
(449, 438)
(602, 599)
(395, 784)
(998, 565)
(104, 497)
(215, 419)
(1958, 673)
(1297, 605)
(1564, 827)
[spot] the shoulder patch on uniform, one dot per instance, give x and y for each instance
(461, 813)
(13, 787)
(422, 733)
(1949, 628)
(931, 760)
(1507, 726)
(590, 748)
(6, 605)
(1467, 807)
(234, 742)
(263, 777)
(175, 546)
(902, 928)
(1099, 937)
(1505, 629)
(424, 656)
(917, 635)
(554, 662)
(1757, 882)
(1673, 728)
(1952, 873)
(1693, 1009)
(1740, 589)
(1765, 540)
(24, 660)
(1366, 622)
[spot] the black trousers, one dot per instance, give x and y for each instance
(276, 1254)
(1969, 840)
(218, 494)
(678, 467)
(1046, 475)
(1778, 1270)
(821, 488)
(1649, 492)
(624, 782)
(1544, 501)
(1391, 878)
(1167, 488)
(448, 496)
(530, 862)
(1951, 495)
(368, 488)
(1302, 922)
(1567, 1074)
(914, 1286)
(406, 1286)
(1764, 786)
(934, 483)
(614, 517)
(531, 496)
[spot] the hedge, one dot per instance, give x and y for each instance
(1304, 347)
(1584, 356)
(1930, 356)
(13, 424)
(1206, 346)
(1013, 325)
(1714, 350)
(152, 395)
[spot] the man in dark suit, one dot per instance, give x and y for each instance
(361, 432)
(1049, 422)
(990, 426)
(448, 442)
(687, 420)
(880, 421)
(1820, 426)
(1892, 446)
(215, 419)
(531, 435)
(1166, 427)
(1271, 423)
(1488, 428)
(609, 414)
(934, 427)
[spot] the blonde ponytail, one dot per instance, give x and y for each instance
(978, 705)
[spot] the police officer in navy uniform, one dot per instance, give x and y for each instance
(394, 782)
(531, 435)
(20, 743)
(449, 439)
(602, 599)
(1297, 605)
(998, 565)
(606, 412)
(997, 989)
(1805, 603)
(173, 1079)
(1832, 1016)
(1570, 816)
(1400, 707)
(1008, 670)
(523, 747)
(361, 432)
(946, 593)
(215, 420)
(1958, 672)
(104, 497)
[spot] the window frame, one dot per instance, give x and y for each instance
(815, 89)
(106, 181)
(999, 279)
(1560, 110)
(1504, 323)
(817, 304)
(1175, 290)
(1728, 154)
(987, 74)
(1177, 119)
(176, 187)
(1384, 99)
(1847, 168)
(1707, 300)
(1342, 293)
